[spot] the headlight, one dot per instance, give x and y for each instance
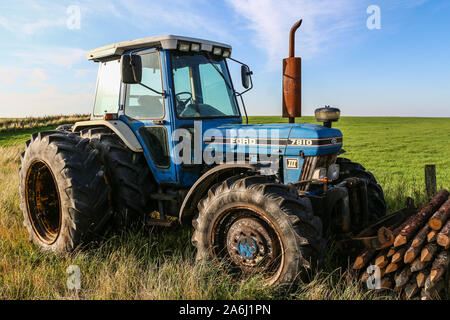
(195, 47)
(333, 172)
(319, 173)
(183, 47)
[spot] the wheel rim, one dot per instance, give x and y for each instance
(243, 236)
(43, 202)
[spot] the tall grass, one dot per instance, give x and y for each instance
(15, 124)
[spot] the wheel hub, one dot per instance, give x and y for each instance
(249, 244)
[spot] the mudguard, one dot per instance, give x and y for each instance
(117, 126)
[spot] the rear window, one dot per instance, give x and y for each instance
(108, 88)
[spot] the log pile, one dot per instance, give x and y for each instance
(415, 262)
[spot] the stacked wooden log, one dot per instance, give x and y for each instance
(416, 263)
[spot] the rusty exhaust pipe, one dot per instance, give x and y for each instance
(292, 82)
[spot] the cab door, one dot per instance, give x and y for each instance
(146, 112)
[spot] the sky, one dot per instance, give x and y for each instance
(368, 58)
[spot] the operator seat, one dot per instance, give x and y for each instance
(151, 105)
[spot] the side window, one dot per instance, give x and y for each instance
(108, 88)
(142, 103)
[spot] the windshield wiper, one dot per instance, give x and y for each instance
(220, 72)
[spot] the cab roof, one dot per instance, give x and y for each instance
(169, 42)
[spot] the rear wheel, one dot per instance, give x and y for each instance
(375, 195)
(63, 191)
(128, 174)
(259, 226)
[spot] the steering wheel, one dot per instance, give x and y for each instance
(182, 102)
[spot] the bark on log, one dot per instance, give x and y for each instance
(443, 237)
(439, 266)
(432, 293)
(398, 256)
(421, 236)
(418, 265)
(411, 288)
(432, 236)
(428, 252)
(422, 277)
(419, 219)
(363, 259)
(402, 277)
(439, 218)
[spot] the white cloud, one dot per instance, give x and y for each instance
(186, 15)
(30, 17)
(49, 100)
(323, 21)
(34, 27)
(56, 56)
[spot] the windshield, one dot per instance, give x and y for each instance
(202, 86)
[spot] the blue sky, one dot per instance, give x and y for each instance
(401, 69)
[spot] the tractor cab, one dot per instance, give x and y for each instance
(160, 84)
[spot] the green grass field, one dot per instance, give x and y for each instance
(159, 263)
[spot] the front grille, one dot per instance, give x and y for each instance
(311, 163)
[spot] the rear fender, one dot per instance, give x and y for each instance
(117, 126)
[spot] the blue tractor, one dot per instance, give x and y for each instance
(166, 135)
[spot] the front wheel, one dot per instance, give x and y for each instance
(258, 226)
(375, 196)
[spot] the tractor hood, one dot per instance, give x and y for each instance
(282, 139)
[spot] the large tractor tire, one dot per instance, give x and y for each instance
(63, 191)
(375, 195)
(258, 226)
(65, 127)
(128, 174)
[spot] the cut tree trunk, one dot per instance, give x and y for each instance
(411, 254)
(381, 259)
(432, 236)
(392, 267)
(387, 282)
(421, 277)
(439, 218)
(421, 237)
(363, 259)
(390, 253)
(419, 219)
(443, 237)
(439, 266)
(428, 252)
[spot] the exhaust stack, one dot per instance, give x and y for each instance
(292, 80)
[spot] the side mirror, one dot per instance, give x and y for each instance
(131, 67)
(245, 75)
